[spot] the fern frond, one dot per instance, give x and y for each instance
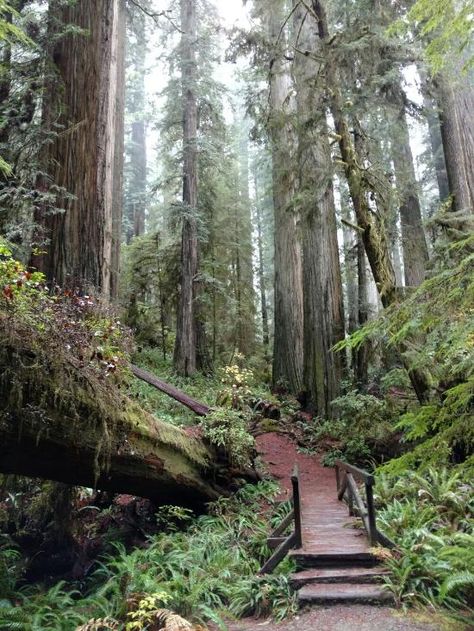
(456, 581)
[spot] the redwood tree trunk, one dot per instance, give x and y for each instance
(322, 283)
(288, 316)
(456, 99)
(185, 354)
(85, 100)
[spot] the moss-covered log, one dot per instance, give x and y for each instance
(62, 421)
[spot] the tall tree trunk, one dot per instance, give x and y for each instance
(456, 100)
(350, 272)
(136, 202)
(246, 306)
(322, 282)
(288, 317)
(432, 115)
(261, 266)
(5, 86)
(415, 250)
(82, 159)
(361, 358)
(119, 149)
(185, 354)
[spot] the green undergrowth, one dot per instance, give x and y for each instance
(207, 572)
(430, 517)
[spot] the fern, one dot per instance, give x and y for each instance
(461, 580)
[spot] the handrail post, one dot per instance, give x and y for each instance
(338, 477)
(350, 499)
(369, 490)
(297, 507)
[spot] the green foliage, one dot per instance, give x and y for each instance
(10, 567)
(228, 429)
(435, 326)
(204, 573)
(362, 430)
(431, 519)
(448, 28)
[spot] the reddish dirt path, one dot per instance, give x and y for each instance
(280, 454)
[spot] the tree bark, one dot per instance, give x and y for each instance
(415, 249)
(456, 100)
(322, 282)
(288, 316)
(185, 354)
(82, 158)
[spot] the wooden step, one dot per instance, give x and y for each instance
(338, 575)
(331, 559)
(319, 594)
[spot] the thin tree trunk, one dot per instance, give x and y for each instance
(185, 355)
(261, 267)
(246, 315)
(322, 282)
(119, 149)
(138, 150)
(415, 250)
(350, 273)
(361, 358)
(288, 317)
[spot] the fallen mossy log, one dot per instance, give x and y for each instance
(201, 409)
(61, 420)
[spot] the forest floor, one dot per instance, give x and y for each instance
(279, 454)
(349, 618)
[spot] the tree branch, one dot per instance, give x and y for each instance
(156, 15)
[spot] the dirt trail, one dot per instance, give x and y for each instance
(280, 454)
(346, 618)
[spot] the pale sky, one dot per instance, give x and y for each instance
(232, 11)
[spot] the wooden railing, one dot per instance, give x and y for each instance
(347, 476)
(277, 541)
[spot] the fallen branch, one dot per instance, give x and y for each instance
(201, 409)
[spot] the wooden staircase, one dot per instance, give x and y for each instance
(334, 557)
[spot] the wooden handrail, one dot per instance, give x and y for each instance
(284, 544)
(295, 482)
(359, 474)
(346, 476)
